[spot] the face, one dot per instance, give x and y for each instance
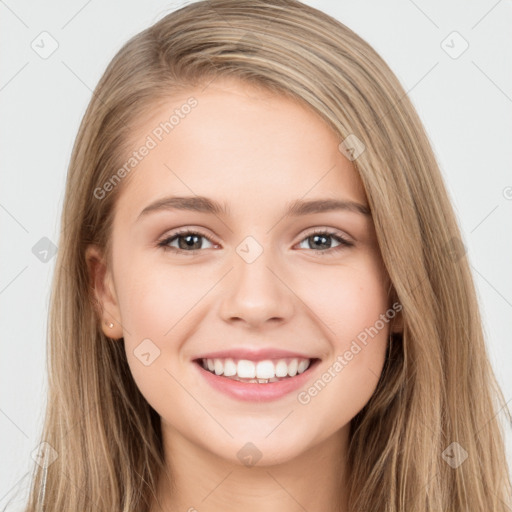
(254, 276)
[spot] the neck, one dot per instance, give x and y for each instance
(199, 480)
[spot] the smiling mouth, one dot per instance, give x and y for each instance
(257, 372)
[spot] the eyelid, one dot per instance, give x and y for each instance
(331, 231)
(186, 230)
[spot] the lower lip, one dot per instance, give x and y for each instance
(252, 391)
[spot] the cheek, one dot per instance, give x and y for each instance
(157, 305)
(349, 376)
(344, 386)
(156, 299)
(353, 306)
(348, 299)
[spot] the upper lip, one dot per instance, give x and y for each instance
(253, 354)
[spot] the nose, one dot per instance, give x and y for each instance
(256, 293)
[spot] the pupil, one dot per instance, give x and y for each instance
(188, 241)
(316, 237)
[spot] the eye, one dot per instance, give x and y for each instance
(320, 238)
(188, 241)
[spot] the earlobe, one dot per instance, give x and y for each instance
(102, 293)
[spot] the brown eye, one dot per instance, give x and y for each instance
(322, 240)
(188, 241)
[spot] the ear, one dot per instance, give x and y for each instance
(103, 292)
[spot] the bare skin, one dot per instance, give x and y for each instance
(256, 152)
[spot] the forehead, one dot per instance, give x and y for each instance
(239, 144)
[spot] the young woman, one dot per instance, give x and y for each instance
(260, 300)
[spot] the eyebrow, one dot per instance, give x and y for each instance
(298, 207)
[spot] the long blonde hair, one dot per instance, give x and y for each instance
(104, 446)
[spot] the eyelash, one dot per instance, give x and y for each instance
(323, 252)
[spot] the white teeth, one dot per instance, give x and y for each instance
(292, 368)
(265, 370)
(218, 366)
(246, 369)
(281, 369)
(229, 368)
(260, 371)
(303, 365)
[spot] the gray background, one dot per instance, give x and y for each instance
(465, 102)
